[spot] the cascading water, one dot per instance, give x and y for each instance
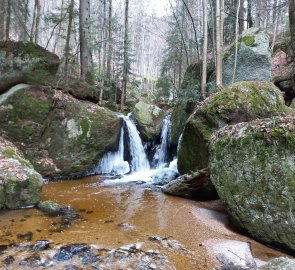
(139, 161)
(113, 162)
(161, 155)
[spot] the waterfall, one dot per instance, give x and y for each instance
(113, 162)
(139, 161)
(161, 155)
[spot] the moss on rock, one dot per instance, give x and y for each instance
(59, 134)
(20, 184)
(252, 168)
(240, 102)
(149, 118)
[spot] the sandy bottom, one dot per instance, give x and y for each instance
(144, 212)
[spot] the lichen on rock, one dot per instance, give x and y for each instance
(20, 184)
(240, 102)
(252, 166)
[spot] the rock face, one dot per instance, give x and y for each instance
(240, 102)
(253, 61)
(149, 118)
(252, 168)
(25, 62)
(59, 134)
(20, 184)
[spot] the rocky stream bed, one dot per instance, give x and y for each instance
(123, 226)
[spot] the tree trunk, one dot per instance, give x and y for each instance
(110, 42)
(85, 49)
(104, 55)
(241, 16)
(236, 45)
(249, 14)
(219, 41)
(8, 20)
(2, 19)
(125, 65)
(38, 17)
(292, 23)
(205, 46)
(68, 39)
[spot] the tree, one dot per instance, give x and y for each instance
(125, 57)
(85, 46)
(292, 23)
(219, 41)
(205, 45)
(68, 38)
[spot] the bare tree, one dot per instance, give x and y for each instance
(292, 23)
(236, 43)
(85, 49)
(125, 64)
(219, 41)
(205, 45)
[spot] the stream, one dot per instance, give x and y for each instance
(180, 232)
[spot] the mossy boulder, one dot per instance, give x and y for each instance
(82, 90)
(253, 58)
(50, 208)
(20, 184)
(240, 102)
(25, 62)
(252, 167)
(60, 135)
(281, 263)
(149, 118)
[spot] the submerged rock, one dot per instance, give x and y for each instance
(240, 102)
(25, 62)
(60, 135)
(252, 168)
(20, 184)
(49, 207)
(149, 118)
(164, 176)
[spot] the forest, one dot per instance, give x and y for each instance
(147, 134)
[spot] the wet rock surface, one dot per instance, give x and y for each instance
(83, 256)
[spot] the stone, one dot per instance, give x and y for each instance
(292, 106)
(195, 185)
(149, 118)
(252, 168)
(234, 255)
(253, 59)
(281, 263)
(240, 102)
(20, 184)
(49, 207)
(59, 135)
(25, 62)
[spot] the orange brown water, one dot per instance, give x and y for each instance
(149, 213)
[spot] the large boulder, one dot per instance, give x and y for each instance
(240, 102)
(149, 118)
(59, 134)
(253, 58)
(252, 166)
(25, 62)
(20, 184)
